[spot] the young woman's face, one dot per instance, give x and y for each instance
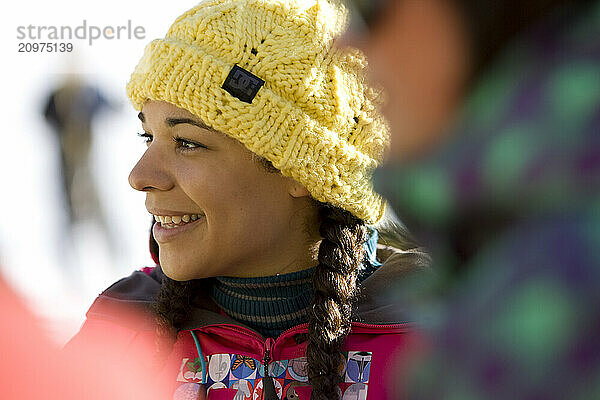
(219, 212)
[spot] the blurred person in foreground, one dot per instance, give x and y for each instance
(33, 367)
(508, 198)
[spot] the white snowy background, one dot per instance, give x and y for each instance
(59, 279)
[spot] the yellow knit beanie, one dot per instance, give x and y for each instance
(266, 73)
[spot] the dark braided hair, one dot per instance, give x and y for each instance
(335, 281)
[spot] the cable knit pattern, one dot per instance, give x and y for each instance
(315, 118)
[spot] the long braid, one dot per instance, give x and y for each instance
(340, 255)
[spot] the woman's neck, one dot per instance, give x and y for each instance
(268, 304)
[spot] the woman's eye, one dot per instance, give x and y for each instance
(147, 137)
(188, 144)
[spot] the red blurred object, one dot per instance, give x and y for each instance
(33, 367)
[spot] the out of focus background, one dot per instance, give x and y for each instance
(71, 224)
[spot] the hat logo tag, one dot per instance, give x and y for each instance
(242, 84)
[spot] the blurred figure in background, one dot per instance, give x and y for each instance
(70, 110)
(500, 176)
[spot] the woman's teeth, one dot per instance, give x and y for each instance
(167, 221)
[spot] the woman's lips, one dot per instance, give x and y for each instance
(163, 234)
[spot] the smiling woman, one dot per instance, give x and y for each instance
(241, 210)
(257, 174)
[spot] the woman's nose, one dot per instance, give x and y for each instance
(149, 173)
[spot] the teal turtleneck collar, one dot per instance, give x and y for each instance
(269, 304)
(272, 304)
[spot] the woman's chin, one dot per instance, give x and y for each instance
(173, 269)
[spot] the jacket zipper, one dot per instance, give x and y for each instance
(385, 327)
(269, 392)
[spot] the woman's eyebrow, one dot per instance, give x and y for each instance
(171, 122)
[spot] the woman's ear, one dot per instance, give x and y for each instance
(297, 190)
